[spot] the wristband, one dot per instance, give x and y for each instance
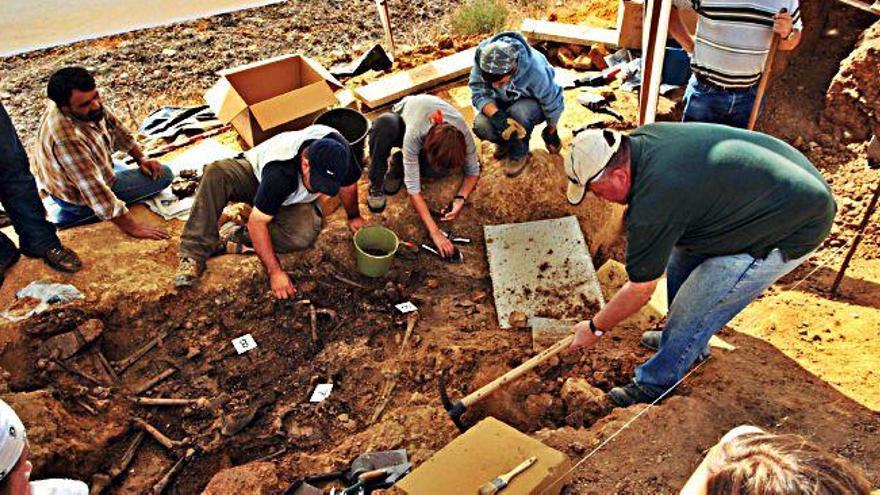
(596, 331)
(459, 196)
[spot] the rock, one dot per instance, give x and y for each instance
(253, 478)
(67, 344)
(581, 397)
(518, 319)
(537, 405)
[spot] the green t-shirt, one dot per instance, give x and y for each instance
(716, 190)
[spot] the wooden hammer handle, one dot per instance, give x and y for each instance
(515, 373)
(765, 78)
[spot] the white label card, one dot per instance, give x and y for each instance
(322, 391)
(406, 307)
(244, 343)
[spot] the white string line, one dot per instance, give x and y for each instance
(825, 263)
(627, 424)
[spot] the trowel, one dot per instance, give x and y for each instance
(363, 463)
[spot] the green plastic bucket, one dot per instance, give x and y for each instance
(374, 249)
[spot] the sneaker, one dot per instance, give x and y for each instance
(394, 176)
(189, 271)
(514, 167)
(376, 200)
(629, 394)
(62, 259)
(651, 340)
(501, 151)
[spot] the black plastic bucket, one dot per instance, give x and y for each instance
(352, 124)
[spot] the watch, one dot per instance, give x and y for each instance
(596, 330)
(459, 196)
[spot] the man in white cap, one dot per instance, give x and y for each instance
(513, 90)
(723, 211)
(15, 468)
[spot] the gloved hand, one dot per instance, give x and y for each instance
(499, 121)
(551, 139)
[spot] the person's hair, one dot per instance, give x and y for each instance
(621, 157)
(64, 81)
(769, 464)
(445, 146)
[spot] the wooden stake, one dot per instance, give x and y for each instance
(100, 482)
(163, 483)
(313, 321)
(411, 319)
(124, 364)
(858, 239)
(158, 435)
(385, 17)
(153, 381)
(654, 48)
(765, 78)
(150, 401)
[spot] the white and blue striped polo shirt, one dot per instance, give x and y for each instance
(733, 38)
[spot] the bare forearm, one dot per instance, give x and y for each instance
(790, 44)
(348, 196)
(421, 207)
(679, 31)
(259, 233)
(136, 153)
(627, 301)
(468, 183)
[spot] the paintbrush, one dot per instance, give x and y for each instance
(499, 483)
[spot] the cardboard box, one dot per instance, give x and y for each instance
(265, 98)
(481, 454)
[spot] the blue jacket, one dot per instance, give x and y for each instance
(533, 79)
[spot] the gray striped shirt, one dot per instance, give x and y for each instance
(733, 38)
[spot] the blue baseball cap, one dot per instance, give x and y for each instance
(328, 161)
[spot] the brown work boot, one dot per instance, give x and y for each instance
(62, 259)
(234, 239)
(513, 168)
(189, 271)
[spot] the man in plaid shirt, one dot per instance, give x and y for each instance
(74, 159)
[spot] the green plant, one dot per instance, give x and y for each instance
(480, 17)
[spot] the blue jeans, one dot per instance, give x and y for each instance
(131, 186)
(707, 103)
(18, 192)
(526, 111)
(705, 293)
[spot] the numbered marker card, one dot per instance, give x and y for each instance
(244, 343)
(406, 307)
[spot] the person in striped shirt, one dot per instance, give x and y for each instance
(728, 53)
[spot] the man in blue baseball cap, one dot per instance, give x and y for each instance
(282, 178)
(513, 90)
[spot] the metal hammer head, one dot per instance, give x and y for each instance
(455, 409)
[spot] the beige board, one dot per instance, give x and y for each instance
(400, 84)
(489, 449)
(574, 34)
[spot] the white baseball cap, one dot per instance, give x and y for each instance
(12, 439)
(591, 150)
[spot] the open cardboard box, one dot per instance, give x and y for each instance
(265, 98)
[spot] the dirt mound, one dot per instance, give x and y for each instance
(852, 104)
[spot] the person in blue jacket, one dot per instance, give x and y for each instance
(513, 90)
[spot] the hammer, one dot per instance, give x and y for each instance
(458, 407)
